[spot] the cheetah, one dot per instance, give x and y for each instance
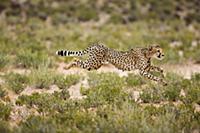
(135, 58)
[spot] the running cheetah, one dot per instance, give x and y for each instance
(136, 58)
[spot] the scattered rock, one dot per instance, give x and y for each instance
(136, 96)
(74, 92)
(196, 107)
(194, 44)
(175, 44)
(182, 93)
(180, 53)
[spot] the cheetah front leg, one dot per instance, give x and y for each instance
(152, 77)
(157, 69)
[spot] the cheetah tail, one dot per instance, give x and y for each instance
(70, 53)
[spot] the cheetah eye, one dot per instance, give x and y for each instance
(158, 50)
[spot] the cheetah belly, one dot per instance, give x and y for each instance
(122, 62)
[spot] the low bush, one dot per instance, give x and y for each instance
(16, 82)
(107, 79)
(134, 80)
(2, 92)
(42, 77)
(5, 110)
(36, 124)
(152, 94)
(104, 88)
(172, 92)
(3, 61)
(44, 102)
(66, 81)
(28, 59)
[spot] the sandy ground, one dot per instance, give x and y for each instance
(185, 70)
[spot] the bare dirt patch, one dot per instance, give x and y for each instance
(185, 70)
(30, 90)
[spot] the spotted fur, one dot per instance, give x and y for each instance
(136, 58)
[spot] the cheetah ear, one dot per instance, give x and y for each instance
(157, 46)
(150, 48)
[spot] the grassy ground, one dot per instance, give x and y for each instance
(38, 95)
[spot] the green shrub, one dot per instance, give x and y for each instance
(28, 59)
(152, 95)
(36, 124)
(66, 81)
(64, 94)
(134, 80)
(194, 92)
(174, 78)
(103, 95)
(42, 77)
(5, 110)
(3, 61)
(196, 79)
(45, 102)
(116, 18)
(158, 93)
(192, 95)
(2, 92)
(78, 121)
(134, 118)
(16, 82)
(104, 88)
(106, 79)
(86, 13)
(172, 92)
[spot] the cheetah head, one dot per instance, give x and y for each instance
(156, 52)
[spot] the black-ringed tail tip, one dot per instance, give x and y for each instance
(69, 53)
(63, 53)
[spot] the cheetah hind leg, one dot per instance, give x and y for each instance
(72, 64)
(88, 64)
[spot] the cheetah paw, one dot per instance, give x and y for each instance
(164, 83)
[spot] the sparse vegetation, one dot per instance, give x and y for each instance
(28, 59)
(44, 102)
(2, 92)
(32, 31)
(66, 81)
(4, 111)
(134, 80)
(42, 78)
(3, 61)
(16, 82)
(105, 79)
